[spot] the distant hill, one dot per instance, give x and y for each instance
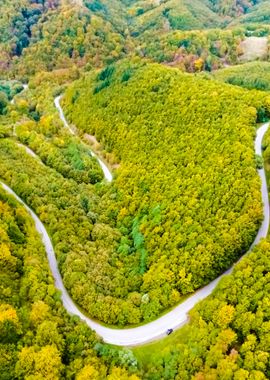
(38, 37)
(259, 14)
(173, 14)
(185, 14)
(93, 33)
(17, 18)
(233, 8)
(253, 75)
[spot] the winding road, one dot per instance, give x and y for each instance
(106, 171)
(173, 319)
(25, 87)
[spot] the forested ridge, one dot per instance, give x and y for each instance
(17, 21)
(193, 51)
(56, 34)
(131, 243)
(182, 218)
(184, 204)
(84, 248)
(250, 75)
(39, 127)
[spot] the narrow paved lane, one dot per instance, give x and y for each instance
(173, 319)
(25, 87)
(106, 171)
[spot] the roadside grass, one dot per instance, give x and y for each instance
(151, 352)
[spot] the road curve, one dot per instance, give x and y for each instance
(25, 87)
(106, 171)
(173, 319)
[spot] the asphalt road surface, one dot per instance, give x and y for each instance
(173, 319)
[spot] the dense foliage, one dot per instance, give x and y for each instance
(10, 88)
(38, 340)
(51, 35)
(228, 336)
(185, 15)
(61, 151)
(193, 50)
(234, 8)
(83, 245)
(181, 216)
(260, 14)
(71, 36)
(172, 14)
(39, 35)
(36, 124)
(17, 20)
(184, 205)
(253, 75)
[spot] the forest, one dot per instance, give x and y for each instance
(130, 229)
(43, 36)
(155, 88)
(252, 75)
(228, 334)
(60, 151)
(194, 51)
(180, 215)
(38, 340)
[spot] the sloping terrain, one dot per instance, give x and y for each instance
(252, 75)
(176, 227)
(184, 203)
(173, 14)
(259, 14)
(186, 15)
(228, 336)
(17, 19)
(59, 34)
(37, 337)
(234, 8)
(93, 32)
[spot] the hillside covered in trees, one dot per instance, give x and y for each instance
(185, 200)
(37, 36)
(253, 75)
(38, 340)
(228, 335)
(181, 216)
